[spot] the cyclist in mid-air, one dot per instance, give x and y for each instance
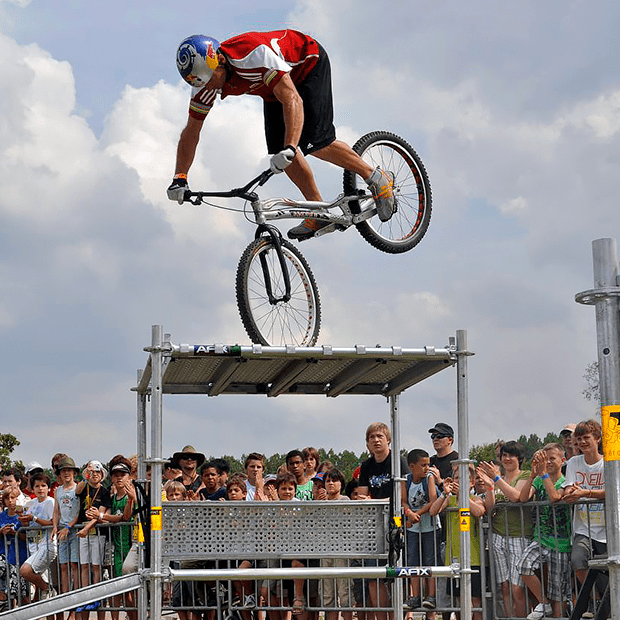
(291, 72)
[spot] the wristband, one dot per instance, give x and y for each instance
(544, 476)
(68, 527)
(498, 477)
(34, 518)
(180, 176)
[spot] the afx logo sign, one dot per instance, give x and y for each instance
(413, 571)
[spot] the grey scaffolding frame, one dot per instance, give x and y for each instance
(216, 369)
(605, 297)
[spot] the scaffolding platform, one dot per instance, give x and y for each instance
(215, 369)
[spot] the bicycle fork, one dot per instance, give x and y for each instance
(276, 239)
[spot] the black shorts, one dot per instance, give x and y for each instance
(316, 93)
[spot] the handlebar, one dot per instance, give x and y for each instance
(241, 192)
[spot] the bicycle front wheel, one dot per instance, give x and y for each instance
(294, 321)
(412, 192)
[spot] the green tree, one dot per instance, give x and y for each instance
(8, 443)
(483, 452)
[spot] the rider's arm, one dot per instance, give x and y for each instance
(292, 109)
(188, 142)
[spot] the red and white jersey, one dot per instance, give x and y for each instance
(256, 62)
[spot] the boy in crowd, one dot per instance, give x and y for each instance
(13, 477)
(254, 469)
(66, 514)
(12, 551)
(551, 543)
(336, 592)
(171, 472)
(210, 489)
(296, 466)
(585, 480)
(175, 491)
(417, 496)
(376, 482)
(94, 503)
(223, 469)
(318, 486)
(566, 436)
(122, 502)
(236, 489)
(449, 498)
(42, 547)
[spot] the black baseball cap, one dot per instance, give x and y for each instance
(442, 429)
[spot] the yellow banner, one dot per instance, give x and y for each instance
(610, 418)
(463, 519)
(156, 519)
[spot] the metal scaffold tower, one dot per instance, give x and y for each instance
(605, 297)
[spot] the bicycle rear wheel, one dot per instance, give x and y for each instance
(296, 321)
(412, 192)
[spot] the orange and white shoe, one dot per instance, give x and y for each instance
(381, 185)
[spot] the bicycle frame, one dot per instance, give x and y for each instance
(274, 209)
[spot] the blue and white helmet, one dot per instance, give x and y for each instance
(197, 59)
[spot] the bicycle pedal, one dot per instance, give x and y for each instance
(326, 229)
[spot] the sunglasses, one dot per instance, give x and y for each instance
(438, 436)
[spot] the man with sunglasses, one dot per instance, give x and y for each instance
(442, 436)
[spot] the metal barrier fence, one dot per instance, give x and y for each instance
(323, 536)
(66, 565)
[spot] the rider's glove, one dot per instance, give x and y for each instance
(281, 160)
(177, 189)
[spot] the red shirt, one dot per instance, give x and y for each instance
(256, 62)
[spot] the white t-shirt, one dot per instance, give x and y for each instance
(249, 496)
(587, 477)
(41, 510)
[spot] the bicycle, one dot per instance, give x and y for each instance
(277, 295)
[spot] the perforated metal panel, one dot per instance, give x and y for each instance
(254, 530)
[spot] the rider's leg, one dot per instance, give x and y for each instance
(380, 182)
(341, 154)
(300, 173)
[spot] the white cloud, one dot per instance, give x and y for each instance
(522, 151)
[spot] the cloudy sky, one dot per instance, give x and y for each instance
(514, 108)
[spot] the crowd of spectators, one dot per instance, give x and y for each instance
(53, 535)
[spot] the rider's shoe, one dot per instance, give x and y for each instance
(381, 186)
(306, 229)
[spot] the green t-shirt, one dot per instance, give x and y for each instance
(304, 491)
(453, 533)
(514, 521)
(121, 535)
(551, 523)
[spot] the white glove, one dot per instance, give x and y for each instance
(177, 190)
(281, 160)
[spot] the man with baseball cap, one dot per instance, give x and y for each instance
(566, 436)
(442, 436)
